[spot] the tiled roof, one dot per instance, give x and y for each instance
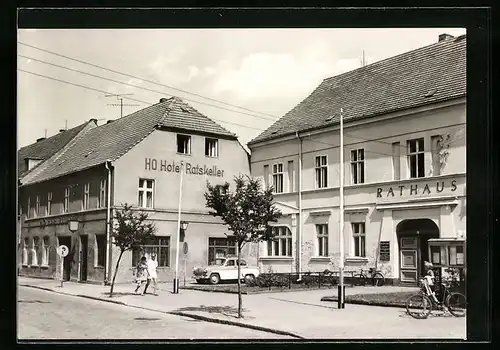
(45, 149)
(396, 83)
(112, 140)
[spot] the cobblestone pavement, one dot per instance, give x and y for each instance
(46, 315)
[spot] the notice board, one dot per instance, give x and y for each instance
(385, 250)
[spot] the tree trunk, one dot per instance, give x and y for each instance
(240, 301)
(114, 274)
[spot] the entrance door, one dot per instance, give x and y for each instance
(66, 240)
(408, 261)
(83, 257)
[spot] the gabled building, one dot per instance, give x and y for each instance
(136, 160)
(404, 167)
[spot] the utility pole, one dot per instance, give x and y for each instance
(341, 291)
(119, 98)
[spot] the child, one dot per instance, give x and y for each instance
(429, 277)
(141, 274)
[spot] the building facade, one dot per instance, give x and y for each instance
(136, 160)
(404, 167)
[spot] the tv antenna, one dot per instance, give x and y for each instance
(363, 59)
(119, 97)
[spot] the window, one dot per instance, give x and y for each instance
(358, 231)
(436, 162)
(48, 209)
(396, 163)
(322, 231)
(101, 200)
(146, 189)
(220, 248)
(66, 200)
(28, 212)
(158, 245)
(290, 176)
(435, 255)
(456, 254)
(266, 176)
(321, 165)
(211, 147)
(37, 205)
(100, 250)
(86, 196)
(34, 251)
(416, 158)
(358, 166)
(281, 245)
(45, 251)
(25, 251)
(278, 177)
(184, 144)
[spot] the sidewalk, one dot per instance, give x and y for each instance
(301, 314)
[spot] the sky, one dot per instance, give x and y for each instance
(266, 71)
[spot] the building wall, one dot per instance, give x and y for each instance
(372, 202)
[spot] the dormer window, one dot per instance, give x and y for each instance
(183, 144)
(32, 162)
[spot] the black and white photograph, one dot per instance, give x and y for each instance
(241, 183)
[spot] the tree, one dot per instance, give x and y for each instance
(131, 230)
(247, 212)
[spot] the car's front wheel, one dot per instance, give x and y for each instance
(214, 278)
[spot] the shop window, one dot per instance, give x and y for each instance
(321, 171)
(278, 177)
(322, 232)
(359, 236)
(456, 255)
(146, 192)
(37, 205)
(101, 200)
(416, 158)
(281, 244)
(184, 144)
(100, 250)
(157, 245)
(25, 251)
(211, 147)
(45, 251)
(219, 249)
(358, 166)
(48, 208)
(66, 200)
(35, 248)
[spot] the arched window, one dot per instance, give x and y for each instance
(25, 251)
(45, 251)
(34, 251)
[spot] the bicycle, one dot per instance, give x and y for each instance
(376, 277)
(420, 305)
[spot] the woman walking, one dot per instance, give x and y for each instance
(152, 274)
(141, 275)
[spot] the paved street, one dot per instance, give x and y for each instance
(47, 315)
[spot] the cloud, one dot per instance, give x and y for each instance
(170, 69)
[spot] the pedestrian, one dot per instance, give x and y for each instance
(141, 275)
(152, 274)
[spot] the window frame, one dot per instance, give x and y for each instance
(417, 154)
(154, 248)
(37, 206)
(97, 250)
(67, 193)
(322, 240)
(321, 170)
(86, 196)
(359, 239)
(280, 241)
(207, 143)
(102, 194)
(357, 166)
(45, 251)
(35, 248)
(212, 245)
(189, 143)
(26, 260)
(278, 175)
(48, 208)
(145, 190)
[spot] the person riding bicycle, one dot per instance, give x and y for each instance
(429, 277)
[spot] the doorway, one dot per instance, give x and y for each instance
(413, 236)
(84, 243)
(66, 240)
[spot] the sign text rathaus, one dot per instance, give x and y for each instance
(163, 165)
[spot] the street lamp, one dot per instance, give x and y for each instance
(184, 225)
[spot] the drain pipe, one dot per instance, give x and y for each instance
(299, 232)
(107, 265)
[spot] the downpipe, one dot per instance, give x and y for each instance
(299, 232)
(107, 265)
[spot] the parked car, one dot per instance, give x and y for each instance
(226, 269)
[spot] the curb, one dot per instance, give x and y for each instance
(272, 291)
(177, 313)
(363, 302)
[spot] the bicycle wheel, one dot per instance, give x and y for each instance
(418, 306)
(457, 304)
(378, 279)
(359, 280)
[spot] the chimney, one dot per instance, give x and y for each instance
(62, 130)
(93, 120)
(445, 36)
(109, 121)
(163, 99)
(40, 139)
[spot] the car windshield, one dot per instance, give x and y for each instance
(220, 262)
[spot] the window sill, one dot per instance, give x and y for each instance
(33, 266)
(319, 258)
(184, 154)
(356, 259)
(25, 265)
(44, 266)
(276, 258)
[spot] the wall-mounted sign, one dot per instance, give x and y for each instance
(60, 220)
(417, 189)
(385, 251)
(173, 167)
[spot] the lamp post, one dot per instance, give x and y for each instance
(177, 241)
(341, 288)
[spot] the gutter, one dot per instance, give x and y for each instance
(107, 269)
(299, 232)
